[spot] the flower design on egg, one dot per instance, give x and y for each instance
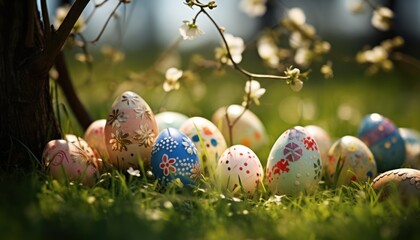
(167, 165)
(292, 151)
(130, 99)
(116, 118)
(310, 143)
(280, 167)
(145, 136)
(189, 146)
(195, 171)
(143, 113)
(119, 141)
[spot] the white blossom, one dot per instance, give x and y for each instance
(254, 91)
(133, 172)
(382, 18)
(236, 47)
(172, 76)
(254, 8)
(297, 16)
(189, 30)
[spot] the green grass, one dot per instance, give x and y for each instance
(34, 206)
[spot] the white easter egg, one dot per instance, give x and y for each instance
(350, 160)
(248, 129)
(411, 138)
(130, 132)
(170, 120)
(213, 143)
(294, 163)
(239, 167)
(70, 161)
(323, 140)
(95, 137)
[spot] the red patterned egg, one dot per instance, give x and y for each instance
(405, 181)
(130, 132)
(294, 164)
(212, 143)
(350, 160)
(239, 167)
(71, 160)
(323, 140)
(248, 129)
(95, 137)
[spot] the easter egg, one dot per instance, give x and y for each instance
(384, 140)
(294, 163)
(323, 140)
(350, 160)
(404, 181)
(170, 120)
(175, 156)
(67, 160)
(130, 132)
(248, 129)
(239, 167)
(95, 137)
(411, 138)
(207, 138)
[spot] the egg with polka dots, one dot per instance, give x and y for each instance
(294, 164)
(239, 167)
(384, 140)
(213, 141)
(71, 160)
(174, 156)
(130, 132)
(95, 137)
(350, 160)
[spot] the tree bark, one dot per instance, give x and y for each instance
(27, 118)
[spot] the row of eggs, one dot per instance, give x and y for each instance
(296, 162)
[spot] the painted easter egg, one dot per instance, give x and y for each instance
(68, 161)
(170, 120)
(384, 140)
(212, 142)
(412, 147)
(95, 137)
(130, 132)
(83, 144)
(174, 156)
(323, 140)
(248, 130)
(239, 167)
(294, 163)
(350, 160)
(405, 181)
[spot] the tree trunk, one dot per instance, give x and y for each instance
(27, 118)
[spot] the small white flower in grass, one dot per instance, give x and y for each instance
(236, 47)
(189, 30)
(382, 18)
(172, 76)
(254, 91)
(253, 8)
(133, 172)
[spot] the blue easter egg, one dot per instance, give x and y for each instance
(175, 156)
(384, 140)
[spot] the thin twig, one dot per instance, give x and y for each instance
(106, 23)
(399, 56)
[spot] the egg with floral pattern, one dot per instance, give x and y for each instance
(248, 129)
(212, 143)
(95, 137)
(174, 156)
(294, 164)
(384, 140)
(350, 160)
(239, 167)
(71, 160)
(170, 119)
(323, 140)
(412, 147)
(130, 132)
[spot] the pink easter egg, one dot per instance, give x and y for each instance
(95, 137)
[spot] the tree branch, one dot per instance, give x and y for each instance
(64, 80)
(56, 41)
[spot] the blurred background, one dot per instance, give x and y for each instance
(143, 29)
